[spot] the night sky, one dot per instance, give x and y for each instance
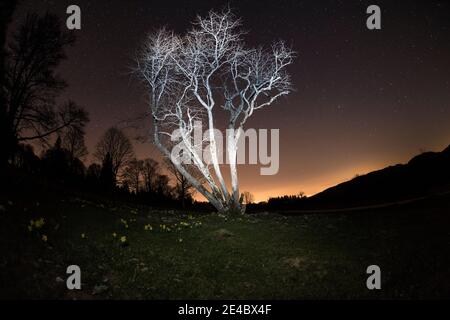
(364, 99)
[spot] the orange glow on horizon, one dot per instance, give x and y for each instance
(309, 187)
(313, 186)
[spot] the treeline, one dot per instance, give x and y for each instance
(286, 202)
(117, 171)
(30, 115)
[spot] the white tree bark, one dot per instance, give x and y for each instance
(190, 76)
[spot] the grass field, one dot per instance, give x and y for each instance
(186, 255)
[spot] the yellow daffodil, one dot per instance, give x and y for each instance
(39, 223)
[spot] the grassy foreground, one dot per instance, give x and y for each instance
(131, 252)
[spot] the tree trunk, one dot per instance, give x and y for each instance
(232, 139)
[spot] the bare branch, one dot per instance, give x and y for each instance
(187, 75)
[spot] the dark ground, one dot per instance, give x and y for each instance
(188, 255)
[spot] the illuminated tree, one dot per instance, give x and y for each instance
(189, 77)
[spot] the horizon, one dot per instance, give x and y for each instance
(353, 110)
(315, 188)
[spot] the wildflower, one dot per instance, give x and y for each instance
(44, 238)
(114, 235)
(83, 236)
(125, 223)
(123, 239)
(39, 223)
(180, 240)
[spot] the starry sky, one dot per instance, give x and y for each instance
(363, 99)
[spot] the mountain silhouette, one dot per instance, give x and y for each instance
(424, 175)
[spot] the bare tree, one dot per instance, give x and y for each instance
(73, 141)
(7, 138)
(31, 84)
(133, 174)
(93, 173)
(150, 171)
(184, 189)
(115, 143)
(162, 186)
(301, 195)
(248, 197)
(190, 76)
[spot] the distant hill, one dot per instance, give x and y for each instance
(425, 174)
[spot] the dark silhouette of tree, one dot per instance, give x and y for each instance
(163, 189)
(115, 143)
(107, 176)
(56, 162)
(31, 85)
(132, 175)
(7, 8)
(248, 197)
(93, 175)
(73, 141)
(184, 189)
(77, 169)
(26, 159)
(124, 187)
(59, 164)
(286, 201)
(150, 171)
